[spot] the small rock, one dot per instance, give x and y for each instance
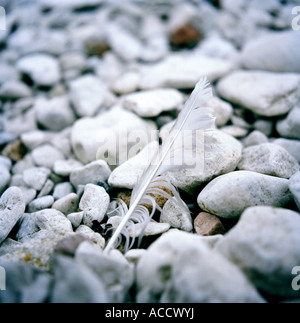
(269, 159)
(14, 89)
(27, 227)
(87, 95)
(76, 219)
(15, 151)
(134, 255)
(96, 238)
(62, 189)
(208, 225)
(255, 138)
(223, 111)
(12, 207)
(292, 146)
(90, 174)
(253, 246)
(229, 195)
(265, 126)
(53, 220)
(46, 156)
(66, 167)
(23, 165)
(153, 102)
(35, 138)
(29, 194)
(234, 131)
(6, 162)
(271, 94)
(127, 83)
(295, 188)
(94, 203)
(95, 47)
(36, 177)
(68, 245)
(67, 204)
(43, 69)
(176, 217)
(290, 126)
(40, 203)
(47, 188)
(4, 178)
(185, 37)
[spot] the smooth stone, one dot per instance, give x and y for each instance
(228, 196)
(151, 103)
(274, 52)
(29, 194)
(127, 83)
(55, 114)
(67, 204)
(35, 138)
(22, 165)
(223, 111)
(66, 167)
(234, 131)
(94, 203)
(53, 220)
(265, 126)
(253, 246)
(92, 137)
(46, 156)
(76, 219)
(128, 174)
(176, 217)
(47, 188)
(40, 203)
(12, 207)
(222, 155)
(43, 69)
(90, 174)
(272, 94)
(36, 177)
(295, 188)
(178, 71)
(180, 268)
(269, 159)
(208, 225)
(62, 189)
(62, 142)
(4, 178)
(6, 162)
(292, 146)
(97, 240)
(290, 126)
(14, 90)
(256, 137)
(87, 95)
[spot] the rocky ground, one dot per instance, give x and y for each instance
(72, 72)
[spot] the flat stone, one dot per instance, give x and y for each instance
(151, 103)
(87, 94)
(90, 174)
(272, 94)
(295, 188)
(43, 69)
(269, 159)
(234, 131)
(290, 126)
(94, 203)
(207, 224)
(46, 156)
(36, 177)
(47, 188)
(66, 167)
(180, 268)
(292, 146)
(12, 207)
(14, 89)
(29, 194)
(62, 189)
(40, 203)
(253, 246)
(67, 204)
(229, 195)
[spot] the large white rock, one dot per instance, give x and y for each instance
(269, 159)
(115, 132)
(12, 207)
(180, 268)
(265, 244)
(265, 93)
(229, 195)
(274, 52)
(151, 103)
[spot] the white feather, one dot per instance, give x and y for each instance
(192, 118)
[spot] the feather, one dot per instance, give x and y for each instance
(191, 118)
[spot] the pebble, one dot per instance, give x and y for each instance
(272, 94)
(29, 194)
(253, 246)
(66, 167)
(62, 189)
(53, 220)
(4, 178)
(176, 217)
(35, 138)
(91, 173)
(290, 126)
(162, 273)
(55, 114)
(23, 165)
(265, 126)
(94, 203)
(295, 188)
(14, 89)
(256, 137)
(67, 204)
(127, 83)
(234, 131)
(223, 111)
(151, 103)
(87, 95)
(40, 203)
(292, 146)
(207, 224)
(15, 151)
(96, 238)
(229, 195)
(43, 69)
(36, 177)
(273, 52)
(46, 156)
(47, 188)
(75, 219)
(68, 245)
(269, 159)
(12, 208)
(5, 162)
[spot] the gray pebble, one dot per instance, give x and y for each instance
(40, 203)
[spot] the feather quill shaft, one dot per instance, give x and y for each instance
(200, 95)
